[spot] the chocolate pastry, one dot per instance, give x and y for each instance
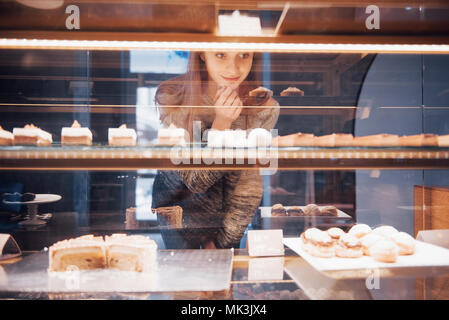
(295, 212)
(312, 210)
(328, 211)
(278, 210)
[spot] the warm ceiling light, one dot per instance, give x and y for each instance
(222, 46)
(42, 4)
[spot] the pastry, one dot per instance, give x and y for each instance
(419, 140)
(384, 251)
(292, 140)
(405, 242)
(318, 243)
(122, 136)
(292, 91)
(385, 231)
(31, 135)
(278, 210)
(169, 216)
(334, 140)
(259, 137)
(6, 137)
(348, 246)
(76, 135)
(295, 212)
(312, 210)
(335, 233)
(328, 211)
(131, 253)
(369, 240)
(376, 140)
(360, 230)
(172, 136)
(261, 92)
(443, 141)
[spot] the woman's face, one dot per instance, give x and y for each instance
(228, 68)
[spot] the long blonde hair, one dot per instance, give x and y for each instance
(186, 90)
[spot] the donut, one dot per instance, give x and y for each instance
(348, 247)
(385, 231)
(360, 230)
(405, 242)
(312, 210)
(369, 240)
(384, 251)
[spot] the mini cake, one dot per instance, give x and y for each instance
(122, 136)
(259, 137)
(443, 141)
(377, 140)
(360, 230)
(318, 243)
(131, 253)
(130, 221)
(31, 135)
(405, 242)
(260, 92)
(368, 241)
(328, 211)
(295, 212)
(278, 210)
(292, 140)
(335, 233)
(292, 91)
(419, 140)
(6, 137)
(384, 251)
(84, 253)
(76, 135)
(334, 140)
(172, 136)
(312, 210)
(385, 231)
(169, 216)
(348, 246)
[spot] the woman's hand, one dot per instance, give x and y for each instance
(229, 108)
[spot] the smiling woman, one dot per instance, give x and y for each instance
(215, 92)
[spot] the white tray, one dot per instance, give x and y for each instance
(265, 212)
(426, 255)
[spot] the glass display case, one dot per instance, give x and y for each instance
(339, 104)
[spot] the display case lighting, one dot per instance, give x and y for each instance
(219, 46)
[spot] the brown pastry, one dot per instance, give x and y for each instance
(260, 92)
(278, 210)
(329, 211)
(295, 212)
(348, 246)
(334, 140)
(292, 91)
(419, 140)
(6, 137)
(169, 216)
(318, 243)
(312, 210)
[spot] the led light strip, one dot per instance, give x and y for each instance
(220, 46)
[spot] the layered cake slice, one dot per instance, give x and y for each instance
(122, 136)
(6, 137)
(419, 140)
(131, 253)
(171, 136)
(297, 139)
(84, 253)
(76, 135)
(31, 135)
(334, 140)
(376, 140)
(169, 216)
(443, 141)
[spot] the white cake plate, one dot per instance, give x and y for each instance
(32, 206)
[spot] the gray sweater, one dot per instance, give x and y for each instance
(224, 199)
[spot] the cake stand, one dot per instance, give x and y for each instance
(32, 207)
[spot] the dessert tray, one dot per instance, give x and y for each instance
(426, 255)
(178, 270)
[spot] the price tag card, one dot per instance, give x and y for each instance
(271, 268)
(263, 243)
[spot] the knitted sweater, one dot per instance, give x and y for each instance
(224, 199)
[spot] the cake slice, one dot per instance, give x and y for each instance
(443, 141)
(169, 216)
(84, 253)
(376, 140)
(6, 137)
(334, 140)
(419, 140)
(292, 91)
(122, 136)
(31, 135)
(297, 139)
(76, 135)
(131, 253)
(171, 136)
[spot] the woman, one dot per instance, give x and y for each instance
(223, 199)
